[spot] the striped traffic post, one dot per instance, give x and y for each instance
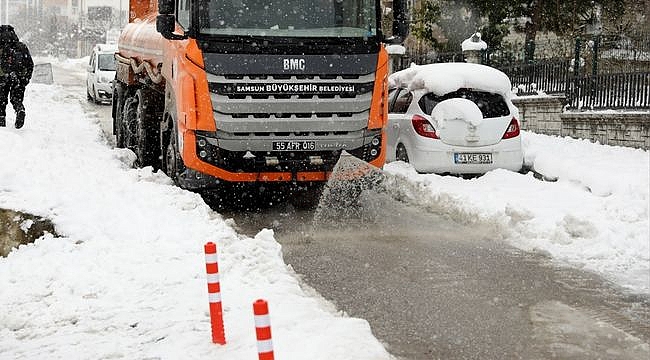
(263, 330)
(214, 293)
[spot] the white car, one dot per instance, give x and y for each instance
(453, 118)
(101, 73)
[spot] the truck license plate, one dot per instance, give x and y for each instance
(294, 145)
(473, 158)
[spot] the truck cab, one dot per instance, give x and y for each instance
(241, 91)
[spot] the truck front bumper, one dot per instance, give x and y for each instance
(215, 160)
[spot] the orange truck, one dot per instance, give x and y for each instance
(233, 91)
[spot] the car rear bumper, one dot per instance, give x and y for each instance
(440, 158)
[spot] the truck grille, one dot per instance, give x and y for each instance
(291, 103)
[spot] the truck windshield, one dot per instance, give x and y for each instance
(289, 18)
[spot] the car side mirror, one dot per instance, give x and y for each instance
(91, 69)
(165, 25)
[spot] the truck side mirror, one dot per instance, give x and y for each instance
(166, 7)
(400, 25)
(165, 25)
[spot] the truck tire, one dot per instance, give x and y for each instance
(173, 163)
(139, 127)
(147, 128)
(118, 105)
(127, 124)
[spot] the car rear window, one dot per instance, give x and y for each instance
(491, 105)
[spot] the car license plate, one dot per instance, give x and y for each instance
(473, 158)
(294, 145)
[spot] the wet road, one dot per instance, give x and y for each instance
(435, 288)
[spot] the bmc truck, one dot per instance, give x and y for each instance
(232, 91)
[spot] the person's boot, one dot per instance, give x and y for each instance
(20, 119)
(3, 121)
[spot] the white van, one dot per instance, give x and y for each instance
(101, 73)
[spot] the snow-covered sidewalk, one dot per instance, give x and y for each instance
(594, 216)
(127, 277)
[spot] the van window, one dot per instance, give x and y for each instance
(93, 61)
(106, 62)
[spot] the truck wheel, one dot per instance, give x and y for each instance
(117, 106)
(147, 129)
(127, 127)
(173, 162)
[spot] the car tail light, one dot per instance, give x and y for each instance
(423, 127)
(513, 129)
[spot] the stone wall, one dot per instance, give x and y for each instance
(616, 128)
(540, 114)
(545, 115)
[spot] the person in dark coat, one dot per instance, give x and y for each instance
(16, 66)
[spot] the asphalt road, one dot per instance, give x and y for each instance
(435, 288)
(432, 287)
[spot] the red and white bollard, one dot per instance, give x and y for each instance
(263, 330)
(214, 293)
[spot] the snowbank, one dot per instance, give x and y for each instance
(127, 279)
(594, 216)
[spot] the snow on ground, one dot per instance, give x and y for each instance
(594, 216)
(127, 277)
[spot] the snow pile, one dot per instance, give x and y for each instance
(474, 43)
(594, 216)
(456, 108)
(443, 78)
(127, 279)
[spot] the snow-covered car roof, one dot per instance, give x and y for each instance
(443, 78)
